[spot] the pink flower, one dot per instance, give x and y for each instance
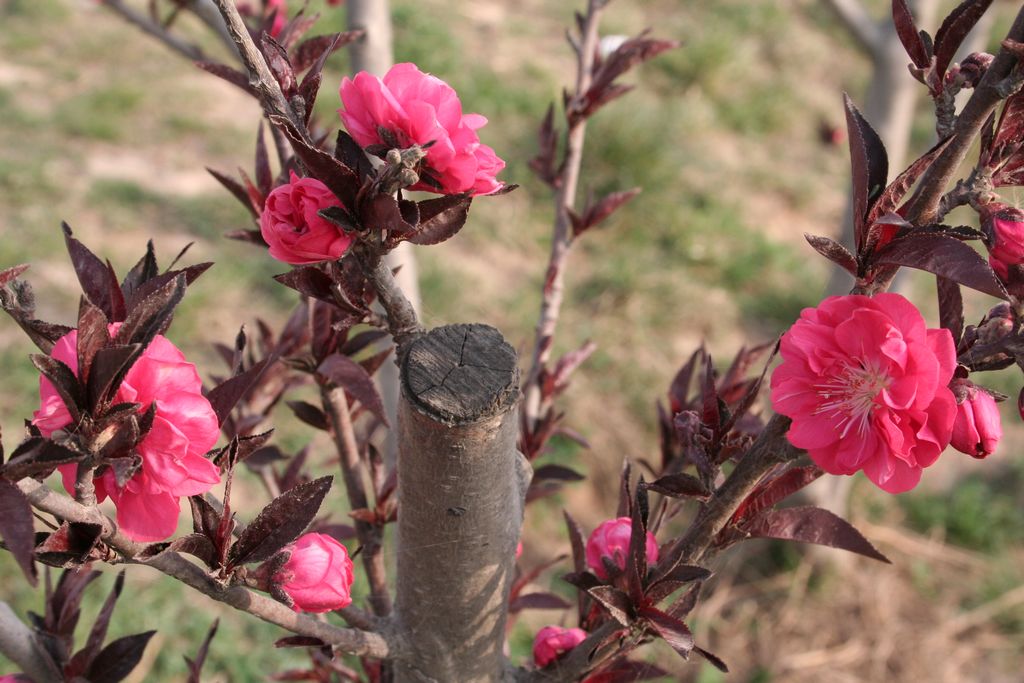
(611, 539)
(15, 678)
(865, 384)
(184, 429)
(294, 230)
(416, 108)
(318, 574)
(977, 428)
(1004, 227)
(552, 642)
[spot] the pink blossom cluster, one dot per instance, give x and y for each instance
(610, 541)
(867, 386)
(184, 429)
(408, 107)
(292, 226)
(551, 642)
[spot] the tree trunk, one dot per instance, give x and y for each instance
(462, 486)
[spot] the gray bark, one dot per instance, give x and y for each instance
(461, 486)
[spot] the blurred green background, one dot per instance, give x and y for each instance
(730, 139)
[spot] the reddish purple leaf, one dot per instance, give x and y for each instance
(280, 522)
(310, 414)
(944, 256)
(812, 525)
(318, 48)
(353, 378)
(538, 601)
(951, 307)
(869, 166)
(597, 213)
(906, 29)
(954, 29)
(232, 76)
(776, 490)
(96, 277)
(680, 485)
(224, 396)
(195, 667)
(12, 273)
(615, 601)
(16, 527)
(834, 252)
(116, 661)
(672, 630)
(712, 659)
(339, 179)
(891, 197)
(440, 219)
(84, 658)
(557, 473)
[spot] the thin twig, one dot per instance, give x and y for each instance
(85, 489)
(403, 324)
(354, 473)
(565, 199)
(859, 24)
(353, 641)
(260, 78)
(924, 205)
(188, 50)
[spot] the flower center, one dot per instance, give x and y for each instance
(850, 396)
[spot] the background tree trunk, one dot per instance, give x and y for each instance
(374, 53)
(462, 486)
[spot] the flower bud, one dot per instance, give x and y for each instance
(317, 575)
(1004, 228)
(973, 68)
(552, 642)
(977, 427)
(292, 226)
(611, 540)
(997, 324)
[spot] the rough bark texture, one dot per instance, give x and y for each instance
(461, 488)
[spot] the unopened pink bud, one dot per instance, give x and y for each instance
(611, 540)
(552, 642)
(977, 427)
(973, 68)
(318, 574)
(1004, 227)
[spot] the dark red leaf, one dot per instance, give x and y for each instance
(224, 396)
(951, 307)
(812, 525)
(9, 274)
(945, 256)
(310, 414)
(907, 32)
(353, 378)
(547, 138)
(96, 277)
(64, 381)
(143, 271)
(597, 213)
(318, 48)
(556, 473)
(280, 65)
(712, 659)
(232, 76)
(84, 658)
(440, 219)
(382, 215)
(869, 165)
(109, 367)
(954, 29)
(310, 281)
(264, 178)
(672, 630)
(16, 527)
(195, 667)
(280, 522)
(236, 189)
(116, 661)
(352, 155)
(339, 179)
(300, 641)
(680, 485)
(37, 455)
(776, 490)
(834, 252)
(538, 601)
(615, 601)
(889, 200)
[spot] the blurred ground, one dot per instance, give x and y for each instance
(104, 128)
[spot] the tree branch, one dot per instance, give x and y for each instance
(923, 207)
(859, 24)
(19, 644)
(260, 78)
(565, 199)
(352, 470)
(377, 645)
(403, 324)
(186, 49)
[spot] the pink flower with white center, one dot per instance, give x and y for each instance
(866, 385)
(611, 540)
(551, 642)
(408, 107)
(184, 429)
